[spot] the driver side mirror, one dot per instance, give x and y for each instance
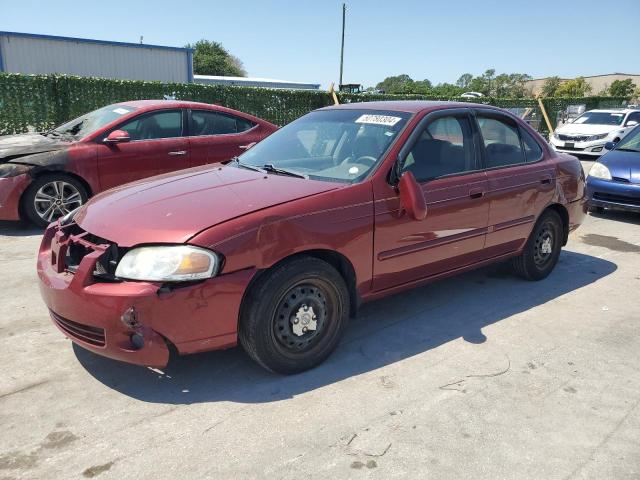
(631, 123)
(117, 136)
(609, 146)
(411, 196)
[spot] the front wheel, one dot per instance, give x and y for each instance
(52, 196)
(293, 317)
(542, 249)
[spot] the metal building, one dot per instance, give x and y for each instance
(254, 82)
(43, 54)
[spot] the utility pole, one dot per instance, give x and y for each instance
(344, 13)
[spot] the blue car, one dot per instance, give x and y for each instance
(614, 180)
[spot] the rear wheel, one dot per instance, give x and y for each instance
(294, 316)
(52, 196)
(542, 249)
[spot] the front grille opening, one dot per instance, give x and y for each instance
(609, 197)
(105, 268)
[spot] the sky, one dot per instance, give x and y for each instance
(300, 40)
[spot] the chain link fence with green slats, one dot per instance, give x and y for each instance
(40, 102)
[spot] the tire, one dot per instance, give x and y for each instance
(596, 210)
(273, 316)
(536, 260)
(63, 192)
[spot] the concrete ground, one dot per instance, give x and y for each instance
(482, 376)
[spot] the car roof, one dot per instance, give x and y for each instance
(165, 103)
(410, 106)
(143, 106)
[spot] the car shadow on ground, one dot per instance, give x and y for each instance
(626, 217)
(385, 332)
(18, 229)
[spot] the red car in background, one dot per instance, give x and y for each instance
(44, 176)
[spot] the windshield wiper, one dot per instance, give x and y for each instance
(248, 166)
(281, 171)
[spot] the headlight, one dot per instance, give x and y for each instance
(597, 137)
(600, 171)
(169, 263)
(13, 169)
(556, 135)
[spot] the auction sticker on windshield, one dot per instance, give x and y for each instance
(386, 120)
(120, 111)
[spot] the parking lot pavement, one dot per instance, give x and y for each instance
(481, 376)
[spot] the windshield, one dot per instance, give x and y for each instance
(600, 118)
(335, 145)
(631, 141)
(92, 121)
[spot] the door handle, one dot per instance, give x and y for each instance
(178, 152)
(476, 193)
(546, 179)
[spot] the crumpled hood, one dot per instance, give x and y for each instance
(13, 147)
(172, 208)
(581, 128)
(623, 164)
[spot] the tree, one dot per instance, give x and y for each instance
(211, 58)
(550, 86)
(464, 81)
(396, 84)
(488, 77)
(577, 87)
(622, 88)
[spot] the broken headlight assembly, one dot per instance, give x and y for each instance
(168, 263)
(13, 169)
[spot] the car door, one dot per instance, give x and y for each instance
(156, 146)
(521, 181)
(442, 153)
(216, 136)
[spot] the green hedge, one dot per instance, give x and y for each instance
(40, 102)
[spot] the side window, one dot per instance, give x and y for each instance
(532, 149)
(205, 122)
(163, 124)
(244, 125)
(633, 117)
(501, 142)
(445, 147)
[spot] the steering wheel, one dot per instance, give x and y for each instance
(361, 160)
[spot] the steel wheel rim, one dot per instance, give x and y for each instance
(290, 307)
(544, 245)
(55, 199)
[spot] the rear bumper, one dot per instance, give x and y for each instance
(577, 212)
(194, 318)
(613, 195)
(11, 190)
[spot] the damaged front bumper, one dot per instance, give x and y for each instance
(134, 321)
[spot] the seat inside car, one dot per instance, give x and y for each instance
(365, 146)
(433, 158)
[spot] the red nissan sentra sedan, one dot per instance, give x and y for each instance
(278, 248)
(44, 176)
